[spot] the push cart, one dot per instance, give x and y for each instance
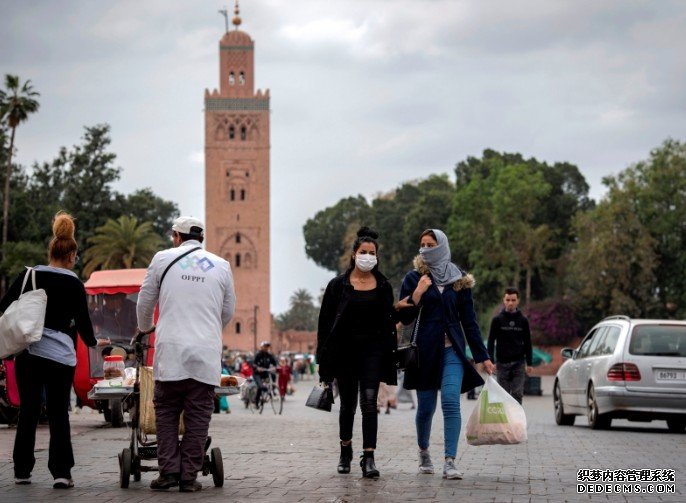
(142, 448)
(112, 307)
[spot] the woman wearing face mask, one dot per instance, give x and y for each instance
(356, 339)
(441, 294)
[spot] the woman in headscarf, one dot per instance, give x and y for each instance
(440, 294)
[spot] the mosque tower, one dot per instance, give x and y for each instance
(237, 184)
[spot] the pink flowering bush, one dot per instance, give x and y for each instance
(553, 323)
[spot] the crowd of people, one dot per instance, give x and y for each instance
(356, 348)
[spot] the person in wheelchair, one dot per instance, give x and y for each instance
(264, 363)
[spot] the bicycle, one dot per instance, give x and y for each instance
(270, 392)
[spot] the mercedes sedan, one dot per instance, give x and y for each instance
(625, 368)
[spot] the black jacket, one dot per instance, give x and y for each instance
(511, 338)
(330, 336)
(265, 360)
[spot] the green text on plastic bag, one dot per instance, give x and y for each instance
(493, 412)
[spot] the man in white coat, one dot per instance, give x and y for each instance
(194, 289)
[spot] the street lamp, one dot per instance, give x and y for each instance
(254, 328)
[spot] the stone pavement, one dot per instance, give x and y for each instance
(293, 457)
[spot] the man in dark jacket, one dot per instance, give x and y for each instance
(264, 363)
(511, 338)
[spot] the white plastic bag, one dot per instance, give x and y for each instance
(497, 418)
(22, 323)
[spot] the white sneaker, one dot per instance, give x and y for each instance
(449, 470)
(63, 483)
(22, 482)
(425, 464)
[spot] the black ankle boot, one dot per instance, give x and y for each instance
(368, 467)
(346, 458)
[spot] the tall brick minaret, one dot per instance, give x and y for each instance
(237, 185)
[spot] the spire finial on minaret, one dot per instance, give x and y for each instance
(225, 12)
(237, 18)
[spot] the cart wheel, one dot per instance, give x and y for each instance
(116, 413)
(124, 468)
(217, 467)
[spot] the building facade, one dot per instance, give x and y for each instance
(237, 185)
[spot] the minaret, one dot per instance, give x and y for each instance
(237, 184)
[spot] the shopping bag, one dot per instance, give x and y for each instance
(146, 419)
(22, 323)
(497, 418)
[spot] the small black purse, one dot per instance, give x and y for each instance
(406, 356)
(321, 397)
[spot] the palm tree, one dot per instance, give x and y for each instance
(121, 244)
(16, 103)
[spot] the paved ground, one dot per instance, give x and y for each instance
(293, 457)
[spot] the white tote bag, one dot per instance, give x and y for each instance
(22, 323)
(497, 418)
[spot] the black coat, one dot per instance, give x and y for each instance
(451, 313)
(330, 337)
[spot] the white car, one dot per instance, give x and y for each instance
(625, 368)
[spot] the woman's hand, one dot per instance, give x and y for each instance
(488, 366)
(422, 286)
(104, 342)
(403, 304)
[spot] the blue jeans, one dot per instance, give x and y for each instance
(451, 385)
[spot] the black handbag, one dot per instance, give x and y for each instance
(406, 356)
(321, 397)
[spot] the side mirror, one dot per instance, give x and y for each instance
(567, 353)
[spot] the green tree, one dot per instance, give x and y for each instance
(16, 255)
(121, 244)
(325, 232)
(493, 225)
(656, 188)
(402, 215)
(17, 102)
(145, 206)
(301, 315)
(484, 208)
(612, 267)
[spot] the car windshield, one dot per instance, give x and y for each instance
(658, 340)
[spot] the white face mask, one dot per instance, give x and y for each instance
(365, 262)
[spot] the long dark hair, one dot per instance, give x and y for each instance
(364, 235)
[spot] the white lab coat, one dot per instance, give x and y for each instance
(196, 301)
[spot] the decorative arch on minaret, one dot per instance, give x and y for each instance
(236, 127)
(238, 181)
(240, 251)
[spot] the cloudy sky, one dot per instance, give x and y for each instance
(366, 94)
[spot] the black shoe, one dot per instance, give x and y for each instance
(369, 470)
(164, 482)
(346, 458)
(190, 486)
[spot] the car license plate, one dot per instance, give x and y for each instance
(670, 375)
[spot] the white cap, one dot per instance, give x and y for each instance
(184, 225)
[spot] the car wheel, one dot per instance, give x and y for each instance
(676, 425)
(596, 420)
(560, 417)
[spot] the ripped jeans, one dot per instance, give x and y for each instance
(366, 383)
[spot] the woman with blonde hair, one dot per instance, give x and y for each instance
(49, 363)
